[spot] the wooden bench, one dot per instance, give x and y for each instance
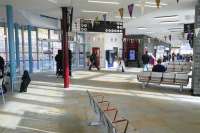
(107, 115)
(181, 79)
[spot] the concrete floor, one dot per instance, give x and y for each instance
(48, 108)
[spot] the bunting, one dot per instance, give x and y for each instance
(158, 3)
(121, 12)
(130, 9)
(142, 6)
(104, 17)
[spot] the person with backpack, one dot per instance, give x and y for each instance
(93, 61)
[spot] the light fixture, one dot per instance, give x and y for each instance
(152, 6)
(167, 17)
(53, 1)
(104, 2)
(170, 22)
(89, 11)
(125, 17)
(153, 3)
(141, 28)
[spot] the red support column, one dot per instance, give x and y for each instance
(64, 32)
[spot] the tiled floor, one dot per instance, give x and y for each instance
(48, 108)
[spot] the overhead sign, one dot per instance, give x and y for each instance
(101, 26)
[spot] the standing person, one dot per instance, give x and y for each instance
(93, 61)
(59, 64)
(70, 62)
(159, 67)
(173, 57)
(2, 65)
(145, 59)
(121, 65)
(25, 81)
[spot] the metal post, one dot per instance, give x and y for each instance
(64, 29)
(9, 11)
(23, 50)
(17, 45)
(37, 47)
(30, 50)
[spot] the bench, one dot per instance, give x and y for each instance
(179, 67)
(181, 79)
(107, 115)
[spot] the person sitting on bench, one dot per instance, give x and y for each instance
(159, 67)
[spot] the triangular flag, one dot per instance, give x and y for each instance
(96, 18)
(170, 37)
(158, 3)
(197, 31)
(121, 12)
(130, 9)
(104, 17)
(142, 6)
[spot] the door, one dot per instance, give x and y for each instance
(96, 51)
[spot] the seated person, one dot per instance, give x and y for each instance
(159, 67)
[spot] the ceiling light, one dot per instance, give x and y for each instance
(170, 22)
(153, 3)
(167, 17)
(141, 28)
(53, 1)
(88, 11)
(176, 28)
(125, 17)
(153, 6)
(104, 2)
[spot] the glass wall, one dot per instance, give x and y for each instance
(44, 48)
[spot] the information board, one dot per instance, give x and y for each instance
(101, 26)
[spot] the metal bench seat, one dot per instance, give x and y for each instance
(181, 79)
(156, 77)
(178, 68)
(144, 76)
(168, 78)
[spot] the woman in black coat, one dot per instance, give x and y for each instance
(25, 81)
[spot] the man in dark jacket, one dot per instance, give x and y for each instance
(59, 64)
(159, 67)
(93, 61)
(145, 60)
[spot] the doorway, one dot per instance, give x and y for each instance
(96, 50)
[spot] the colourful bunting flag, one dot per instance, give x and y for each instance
(121, 12)
(170, 37)
(104, 17)
(130, 9)
(158, 3)
(142, 6)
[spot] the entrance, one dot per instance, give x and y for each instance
(96, 51)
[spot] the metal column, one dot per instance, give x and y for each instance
(17, 45)
(30, 50)
(10, 24)
(64, 30)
